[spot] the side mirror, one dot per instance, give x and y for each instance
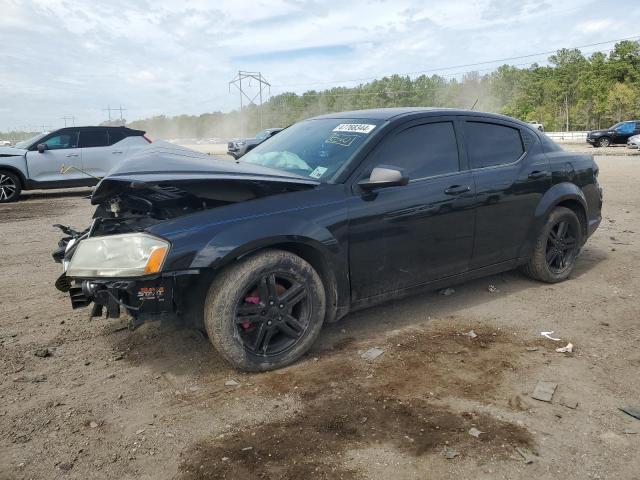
(384, 176)
(41, 147)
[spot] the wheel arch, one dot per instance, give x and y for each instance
(17, 172)
(313, 252)
(567, 195)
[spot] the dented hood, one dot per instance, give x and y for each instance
(165, 164)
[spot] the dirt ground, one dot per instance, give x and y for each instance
(104, 402)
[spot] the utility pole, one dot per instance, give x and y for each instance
(263, 84)
(121, 110)
(73, 121)
(108, 109)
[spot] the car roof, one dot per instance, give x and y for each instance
(395, 113)
(92, 127)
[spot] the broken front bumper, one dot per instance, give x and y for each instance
(144, 299)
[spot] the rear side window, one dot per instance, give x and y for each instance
(490, 144)
(93, 138)
(116, 135)
(422, 151)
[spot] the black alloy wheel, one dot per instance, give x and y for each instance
(273, 314)
(561, 247)
(264, 311)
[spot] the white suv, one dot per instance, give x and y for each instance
(69, 157)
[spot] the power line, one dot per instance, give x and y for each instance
(451, 67)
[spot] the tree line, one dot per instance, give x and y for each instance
(573, 92)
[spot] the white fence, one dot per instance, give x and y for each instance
(568, 136)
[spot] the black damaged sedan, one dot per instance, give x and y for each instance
(333, 214)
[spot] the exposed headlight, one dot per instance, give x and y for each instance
(126, 255)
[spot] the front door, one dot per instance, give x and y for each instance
(61, 155)
(405, 236)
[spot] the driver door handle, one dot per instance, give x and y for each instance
(114, 153)
(537, 174)
(457, 189)
(72, 155)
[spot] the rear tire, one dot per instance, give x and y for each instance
(10, 187)
(265, 311)
(556, 248)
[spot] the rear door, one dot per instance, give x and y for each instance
(96, 155)
(62, 154)
(511, 173)
(408, 235)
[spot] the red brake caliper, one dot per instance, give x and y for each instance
(253, 299)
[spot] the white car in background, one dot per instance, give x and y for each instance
(69, 157)
(634, 142)
(537, 125)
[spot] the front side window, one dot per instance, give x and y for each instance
(491, 144)
(93, 138)
(422, 151)
(319, 149)
(59, 141)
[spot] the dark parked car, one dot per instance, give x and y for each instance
(239, 147)
(615, 135)
(335, 213)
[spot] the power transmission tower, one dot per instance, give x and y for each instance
(263, 85)
(121, 110)
(73, 121)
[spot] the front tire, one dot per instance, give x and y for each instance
(556, 248)
(10, 187)
(265, 311)
(604, 142)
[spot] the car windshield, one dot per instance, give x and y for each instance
(30, 141)
(316, 149)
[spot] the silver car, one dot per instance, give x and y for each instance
(69, 157)
(634, 142)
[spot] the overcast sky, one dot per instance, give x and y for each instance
(74, 58)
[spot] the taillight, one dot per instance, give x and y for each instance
(146, 138)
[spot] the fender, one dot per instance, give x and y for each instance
(558, 194)
(13, 167)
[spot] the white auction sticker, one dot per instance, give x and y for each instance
(318, 172)
(354, 127)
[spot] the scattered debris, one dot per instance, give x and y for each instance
(447, 291)
(569, 403)
(138, 432)
(93, 425)
(372, 353)
(548, 335)
(493, 289)
(66, 466)
(516, 402)
(604, 324)
(526, 455)
(450, 453)
(246, 449)
(474, 432)
(567, 349)
(111, 375)
(633, 411)
(42, 353)
(471, 334)
(532, 349)
(630, 431)
(231, 383)
(544, 391)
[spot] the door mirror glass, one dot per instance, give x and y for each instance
(41, 147)
(384, 176)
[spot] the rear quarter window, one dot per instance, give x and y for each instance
(492, 144)
(115, 136)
